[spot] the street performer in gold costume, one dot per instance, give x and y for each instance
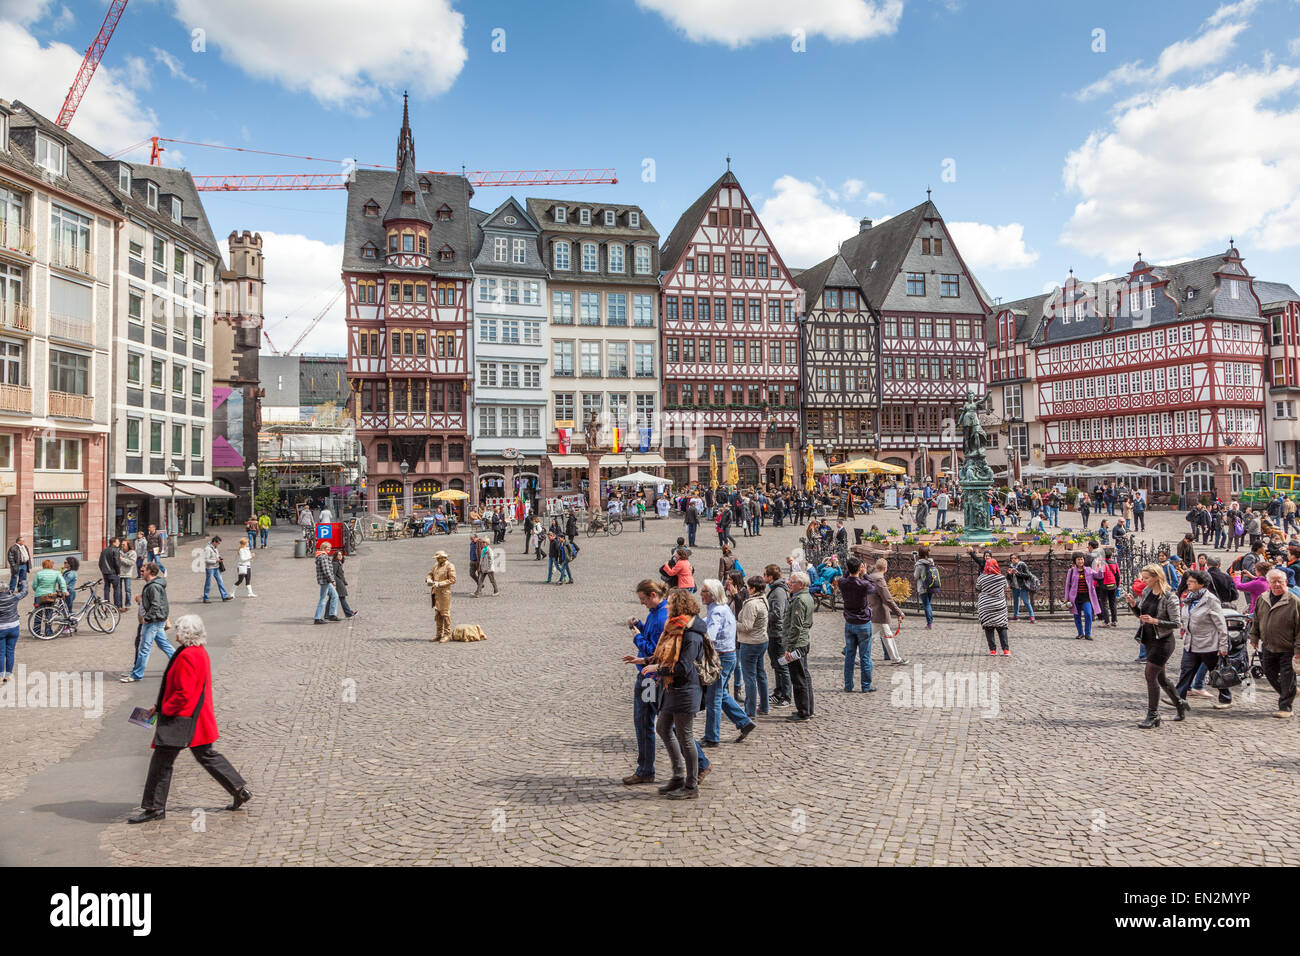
(439, 580)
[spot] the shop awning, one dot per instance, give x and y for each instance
(154, 489)
(46, 497)
(203, 489)
(638, 461)
(568, 461)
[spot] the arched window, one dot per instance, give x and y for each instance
(1165, 480)
(896, 462)
(389, 492)
(1197, 477)
(457, 485)
(1237, 476)
(748, 468)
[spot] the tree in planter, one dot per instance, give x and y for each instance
(268, 492)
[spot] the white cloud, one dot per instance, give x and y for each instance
(804, 226)
(1210, 47)
(302, 274)
(23, 11)
(1229, 11)
(992, 247)
(63, 21)
(1166, 180)
(1049, 286)
(137, 73)
(110, 115)
(875, 197)
(738, 22)
(174, 67)
(1293, 47)
(852, 187)
(328, 49)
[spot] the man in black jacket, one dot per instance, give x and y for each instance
(110, 569)
(20, 564)
(692, 522)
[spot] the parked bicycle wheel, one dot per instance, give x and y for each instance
(104, 617)
(47, 621)
(616, 527)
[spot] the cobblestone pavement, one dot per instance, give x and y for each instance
(366, 744)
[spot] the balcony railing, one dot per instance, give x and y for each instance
(15, 398)
(72, 257)
(67, 405)
(590, 373)
(16, 237)
(16, 315)
(71, 327)
(562, 372)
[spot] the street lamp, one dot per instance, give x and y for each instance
(252, 489)
(173, 474)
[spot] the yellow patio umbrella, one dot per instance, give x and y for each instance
(733, 469)
(808, 464)
(392, 512)
(787, 479)
(855, 467)
(713, 467)
(874, 467)
(451, 494)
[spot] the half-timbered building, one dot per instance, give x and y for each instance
(406, 275)
(508, 351)
(838, 362)
(730, 340)
(1163, 367)
(1280, 306)
(603, 263)
(1013, 389)
(933, 318)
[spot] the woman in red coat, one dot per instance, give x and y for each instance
(186, 721)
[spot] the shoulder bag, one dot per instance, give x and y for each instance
(178, 730)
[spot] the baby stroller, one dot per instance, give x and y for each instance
(1238, 665)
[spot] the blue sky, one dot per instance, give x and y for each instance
(1048, 145)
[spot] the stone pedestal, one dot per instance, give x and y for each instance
(976, 480)
(593, 481)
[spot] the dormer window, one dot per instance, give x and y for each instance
(368, 251)
(610, 217)
(1191, 294)
(176, 209)
(151, 196)
(371, 208)
(425, 185)
(408, 198)
(561, 214)
(51, 155)
(445, 254)
(584, 217)
(124, 178)
(634, 220)
(4, 132)
(444, 213)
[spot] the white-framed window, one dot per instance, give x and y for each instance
(518, 252)
(509, 422)
(487, 373)
(642, 260)
(616, 253)
(1134, 302)
(532, 333)
(531, 292)
(124, 184)
(590, 258)
(532, 427)
(133, 426)
(561, 307)
(487, 330)
(499, 247)
(643, 311)
(561, 214)
(590, 354)
(584, 217)
(610, 217)
(176, 209)
(196, 441)
(1150, 299)
(151, 196)
(13, 363)
(488, 290)
(634, 220)
(51, 155)
(532, 376)
(58, 454)
(1187, 333)
(178, 379)
(1185, 373)
(510, 332)
(561, 255)
(1234, 288)
(487, 421)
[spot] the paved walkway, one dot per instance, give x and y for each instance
(367, 744)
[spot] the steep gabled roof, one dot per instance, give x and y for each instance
(456, 232)
(876, 255)
(833, 272)
(1029, 316)
(408, 181)
(1195, 274)
(1273, 293)
(674, 247)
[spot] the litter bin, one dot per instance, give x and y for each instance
(300, 548)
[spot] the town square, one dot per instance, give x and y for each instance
(674, 433)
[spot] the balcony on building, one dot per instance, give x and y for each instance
(70, 256)
(15, 237)
(68, 405)
(15, 398)
(15, 316)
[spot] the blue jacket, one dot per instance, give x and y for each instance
(9, 606)
(649, 632)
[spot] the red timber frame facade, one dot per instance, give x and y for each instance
(1152, 385)
(1283, 330)
(730, 342)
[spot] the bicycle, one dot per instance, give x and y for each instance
(48, 621)
(612, 525)
(355, 533)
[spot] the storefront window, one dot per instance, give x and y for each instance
(58, 528)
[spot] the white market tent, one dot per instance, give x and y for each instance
(1116, 468)
(1082, 471)
(639, 478)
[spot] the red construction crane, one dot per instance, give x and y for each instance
(89, 62)
(284, 182)
(316, 319)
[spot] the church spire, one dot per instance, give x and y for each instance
(405, 141)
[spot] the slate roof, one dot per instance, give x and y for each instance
(446, 188)
(1029, 317)
(1272, 293)
(679, 238)
(885, 247)
(833, 272)
(407, 181)
(93, 175)
(540, 210)
(1195, 274)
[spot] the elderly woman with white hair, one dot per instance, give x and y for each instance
(720, 623)
(185, 720)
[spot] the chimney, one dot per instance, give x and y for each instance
(864, 224)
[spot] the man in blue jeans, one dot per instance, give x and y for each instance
(329, 595)
(645, 691)
(855, 589)
(154, 608)
(212, 570)
(1020, 592)
(154, 542)
(720, 622)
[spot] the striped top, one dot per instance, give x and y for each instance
(992, 604)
